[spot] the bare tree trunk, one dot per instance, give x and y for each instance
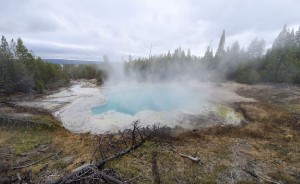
(155, 173)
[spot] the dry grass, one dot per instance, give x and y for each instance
(79, 146)
(26, 143)
(4, 136)
(270, 141)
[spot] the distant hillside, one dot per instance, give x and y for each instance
(66, 61)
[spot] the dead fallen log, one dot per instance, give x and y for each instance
(92, 172)
(134, 146)
(101, 163)
(255, 174)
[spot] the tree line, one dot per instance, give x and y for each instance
(86, 71)
(278, 64)
(21, 71)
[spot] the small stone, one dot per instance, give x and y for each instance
(277, 160)
(68, 160)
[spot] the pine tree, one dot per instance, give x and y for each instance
(6, 73)
(208, 55)
(221, 48)
(235, 48)
(297, 40)
(189, 55)
(256, 49)
(281, 64)
(21, 51)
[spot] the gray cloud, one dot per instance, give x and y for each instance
(74, 29)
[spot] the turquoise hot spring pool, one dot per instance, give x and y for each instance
(155, 98)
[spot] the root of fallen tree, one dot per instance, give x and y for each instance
(111, 147)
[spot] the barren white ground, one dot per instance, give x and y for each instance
(73, 107)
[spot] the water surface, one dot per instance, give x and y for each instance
(155, 97)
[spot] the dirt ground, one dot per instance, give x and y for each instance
(264, 149)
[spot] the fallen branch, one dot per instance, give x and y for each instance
(255, 174)
(88, 174)
(106, 177)
(101, 163)
(33, 163)
(194, 159)
(92, 172)
(132, 179)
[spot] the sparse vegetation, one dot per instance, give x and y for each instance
(24, 145)
(268, 141)
(226, 113)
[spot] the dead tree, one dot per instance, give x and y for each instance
(118, 144)
(111, 147)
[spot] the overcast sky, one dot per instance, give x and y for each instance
(88, 29)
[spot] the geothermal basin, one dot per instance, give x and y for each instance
(84, 107)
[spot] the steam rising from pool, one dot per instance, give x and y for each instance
(154, 97)
(115, 106)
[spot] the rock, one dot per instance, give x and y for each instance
(277, 161)
(43, 148)
(68, 160)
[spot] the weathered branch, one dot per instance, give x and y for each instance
(194, 159)
(101, 163)
(33, 163)
(92, 171)
(87, 173)
(255, 174)
(106, 177)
